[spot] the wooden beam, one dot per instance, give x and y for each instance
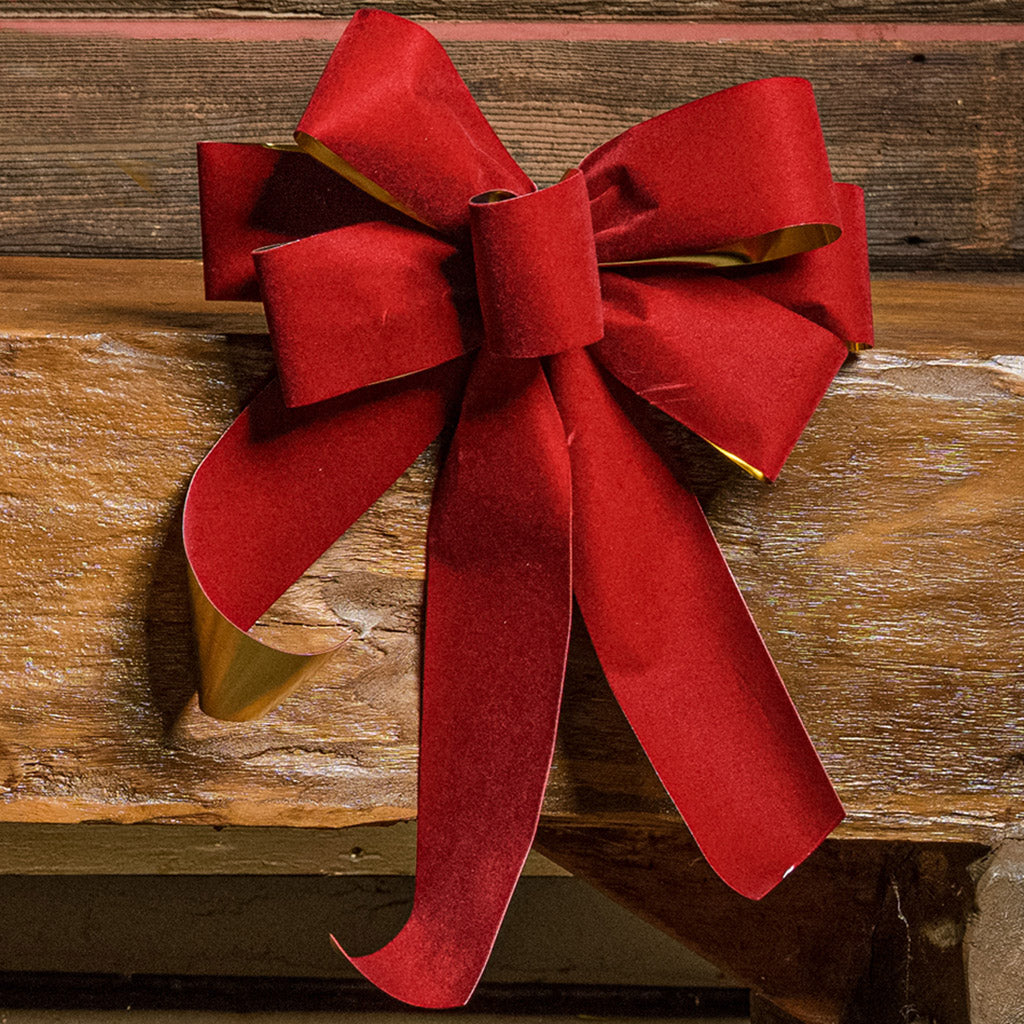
(32, 848)
(869, 568)
(568, 10)
(102, 163)
(862, 933)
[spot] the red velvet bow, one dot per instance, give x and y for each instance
(459, 285)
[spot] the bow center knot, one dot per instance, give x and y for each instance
(536, 269)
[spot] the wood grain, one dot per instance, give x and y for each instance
(617, 10)
(885, 570)
(31, 848)
(97, 138)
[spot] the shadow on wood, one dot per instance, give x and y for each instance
(863, 932)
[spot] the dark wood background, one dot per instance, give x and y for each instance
(931, 129)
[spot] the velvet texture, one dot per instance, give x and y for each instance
(494, 303)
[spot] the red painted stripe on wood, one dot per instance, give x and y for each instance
(498, 31)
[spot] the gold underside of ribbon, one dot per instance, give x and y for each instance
(773, 245)
(316, 149)
(745, 466)
(240, 677)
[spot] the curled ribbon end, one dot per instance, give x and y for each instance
(413, 980)
(241, 678)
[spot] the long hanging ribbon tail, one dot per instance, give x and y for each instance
(498, 614)
(680, 650)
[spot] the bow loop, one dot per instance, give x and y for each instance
(741, 176)
(391, 114)
(738, 369)
(364, 304)
(830, 286)
(253, 196)
(536, 269)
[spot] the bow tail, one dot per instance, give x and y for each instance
(680, 650)
(497, 628)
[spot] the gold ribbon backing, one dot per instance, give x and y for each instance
(242, 678)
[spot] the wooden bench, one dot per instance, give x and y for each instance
(885, 568)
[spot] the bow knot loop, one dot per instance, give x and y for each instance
(536, 269)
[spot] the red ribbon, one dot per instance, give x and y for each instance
(518, 307)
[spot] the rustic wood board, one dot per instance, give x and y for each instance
(558, 930)
(31, 848)
(928, 128)
(885, 570)
(611, 10)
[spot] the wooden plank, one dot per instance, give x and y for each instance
(881, 569)
(558, 930)
(610, 10)
(96, 849)
(96, 146)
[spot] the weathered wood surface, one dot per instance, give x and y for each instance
(556, 10)
(32, 848)
(930, 129)
(885, 571)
